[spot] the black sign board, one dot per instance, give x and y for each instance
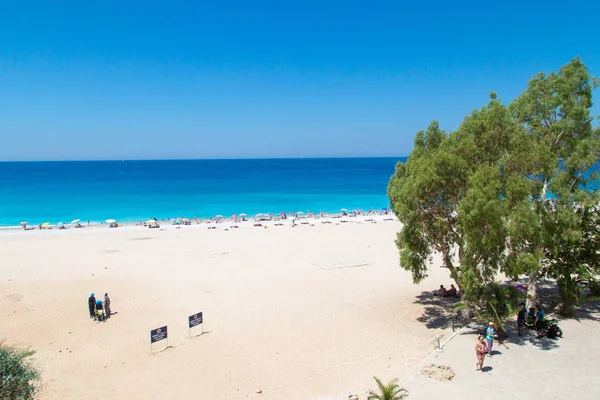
(158, 334)
(195, 320)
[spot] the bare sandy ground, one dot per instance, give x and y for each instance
(301, 313)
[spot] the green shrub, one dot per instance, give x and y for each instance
(493, 302)
(570, 291)
(19, 380)
(391, 391)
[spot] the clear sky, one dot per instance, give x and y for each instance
(220, 79)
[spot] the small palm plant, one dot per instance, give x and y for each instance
(391, 391)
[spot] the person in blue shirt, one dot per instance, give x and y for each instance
(540, 321)
(490, 335)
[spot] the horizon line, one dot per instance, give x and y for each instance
(202, 159)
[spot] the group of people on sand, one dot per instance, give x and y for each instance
(99, 310)
(485, 341)
(443, 292)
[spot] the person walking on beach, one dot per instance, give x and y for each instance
(92, 304)
(490, 335)
(480, 350)
(521, 316)
(107, 305)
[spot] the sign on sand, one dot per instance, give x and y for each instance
(158, 334)
(195, 320)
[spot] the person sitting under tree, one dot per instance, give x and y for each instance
(442, 292)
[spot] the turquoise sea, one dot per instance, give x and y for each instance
(53, 192)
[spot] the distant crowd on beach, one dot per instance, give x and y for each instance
(242, 217)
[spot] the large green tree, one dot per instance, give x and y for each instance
(479, 196)
(553, 168)
(448, 197)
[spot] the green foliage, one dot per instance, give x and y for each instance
(425, 193)
(479, 196)
(570, 290)
(447, 195)
(572, 254)
(391, 391)
(19, 380)
(555, 112)
(461, 305)
(494, 302)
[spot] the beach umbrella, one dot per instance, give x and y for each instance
(75, 221)
(60, 223)
(150, 221)
(110, 221)
(242, 215)
(300, 213)
(219, 217)
(185, 219)
(46, 224)
(24, 223)
(344, 209)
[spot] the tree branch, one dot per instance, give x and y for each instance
(575, 181)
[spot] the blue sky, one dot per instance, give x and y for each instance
(225, 79)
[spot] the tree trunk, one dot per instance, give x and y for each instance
(453, 271)
(532, 288)
(533, 274)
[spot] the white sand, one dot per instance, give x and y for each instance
(302, 313)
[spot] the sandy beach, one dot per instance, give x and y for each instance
(310, 312)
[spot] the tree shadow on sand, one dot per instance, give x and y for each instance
(529, 337)
(513, 339)
(437, 311)
(589, 310)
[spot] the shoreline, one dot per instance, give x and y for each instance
(223, 224)
(272, 217)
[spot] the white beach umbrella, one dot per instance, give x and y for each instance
(300, 213)
(75, 221)
(110, 221)
(150, 221)
(24, 223)
(344, 209)
(219, 217)
(242, 215)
